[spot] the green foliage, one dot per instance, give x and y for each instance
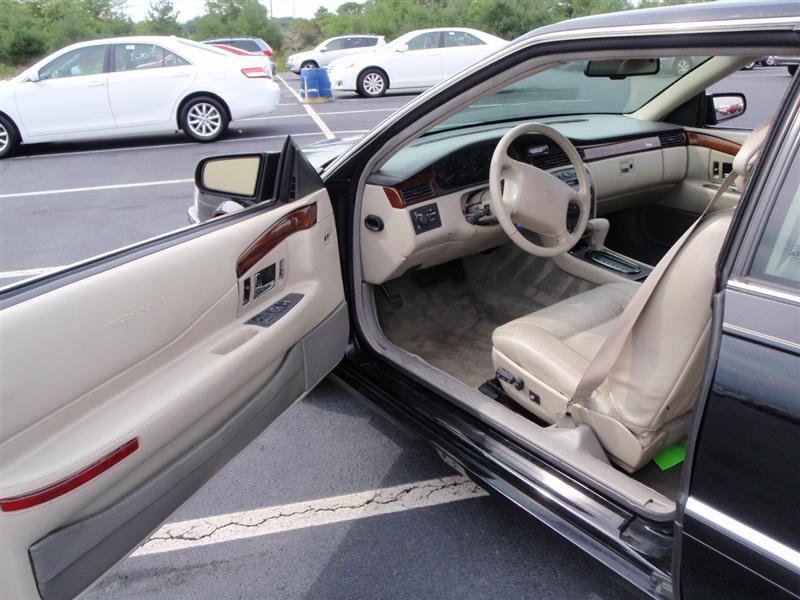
(226, 18)
(32, 28)
(162, 19)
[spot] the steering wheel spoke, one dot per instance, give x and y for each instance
(526, 195)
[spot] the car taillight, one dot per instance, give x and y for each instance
(268, 52)
(256, 73)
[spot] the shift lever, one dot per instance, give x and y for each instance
(598, 230)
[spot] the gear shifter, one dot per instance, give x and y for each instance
(598, 230)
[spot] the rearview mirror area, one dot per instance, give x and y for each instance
(230, 176)
(727, 106)
(622, 68)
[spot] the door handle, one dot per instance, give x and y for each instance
(96, 83)
(180, 75)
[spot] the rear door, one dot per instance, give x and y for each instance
(145, 84)
(740, 535)
(420, 65)
(129, 380)
(460, 50)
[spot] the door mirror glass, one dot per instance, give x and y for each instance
(236, 176)
(622, 68)
(728, 106)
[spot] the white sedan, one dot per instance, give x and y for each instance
(418, 59)
(132, 86)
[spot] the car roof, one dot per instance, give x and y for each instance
(675, 15)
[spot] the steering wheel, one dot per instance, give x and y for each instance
(521, 193)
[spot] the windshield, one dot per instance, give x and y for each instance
(566, 90)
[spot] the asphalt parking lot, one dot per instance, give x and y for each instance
(60, 203)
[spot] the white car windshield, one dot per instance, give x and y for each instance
(567, 90)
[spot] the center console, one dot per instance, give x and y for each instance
(591, 249)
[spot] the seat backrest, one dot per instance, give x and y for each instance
(657, 375)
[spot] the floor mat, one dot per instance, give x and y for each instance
(449, 323)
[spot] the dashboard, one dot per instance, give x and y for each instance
(432, 198)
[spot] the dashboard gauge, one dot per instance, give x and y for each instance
(480, 159)
(453, 171)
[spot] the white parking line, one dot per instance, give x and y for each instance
(300, 515)
(95, 188)
(311, 112)
(332, 112)
(28, 272)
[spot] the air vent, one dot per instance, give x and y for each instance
(554, 157)
(673, 138)
(416, 193)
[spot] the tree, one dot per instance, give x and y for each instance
(225, 18)
(162, 19)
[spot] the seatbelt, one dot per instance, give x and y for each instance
(604, 361)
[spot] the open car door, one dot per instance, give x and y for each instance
(129, 380)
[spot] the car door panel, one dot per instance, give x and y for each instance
(149, 97)
(63, 106)
(155, 350)
(709, 156)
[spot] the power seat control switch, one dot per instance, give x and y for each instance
(425, 218)
(276, 310)
(504, 375)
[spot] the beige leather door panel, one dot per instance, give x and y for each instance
(156, 353)
(710, 155)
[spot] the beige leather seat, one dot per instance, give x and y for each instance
(645, 402)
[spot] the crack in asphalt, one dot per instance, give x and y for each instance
(381, 497)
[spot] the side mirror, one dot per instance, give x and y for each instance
(727, 106)
(236, 177)
(401, 48)
(323, 49)
(34, 77)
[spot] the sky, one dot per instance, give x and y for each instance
(137, 9)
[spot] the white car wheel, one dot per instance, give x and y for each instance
(372, 83)
(203, 119)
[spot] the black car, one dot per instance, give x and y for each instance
(563, 268)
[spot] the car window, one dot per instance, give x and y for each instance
(136, 57)
(460, 38)
(777, 258)
(424, 41)
(83, 61)
(351, 43)
(336, 44)
(248, 45)
(369, 41)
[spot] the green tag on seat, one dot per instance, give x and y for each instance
(671, 456)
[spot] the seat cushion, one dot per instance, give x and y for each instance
(557, 343)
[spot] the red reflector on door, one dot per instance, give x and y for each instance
(71, 482)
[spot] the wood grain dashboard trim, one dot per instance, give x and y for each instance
(714, 143)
